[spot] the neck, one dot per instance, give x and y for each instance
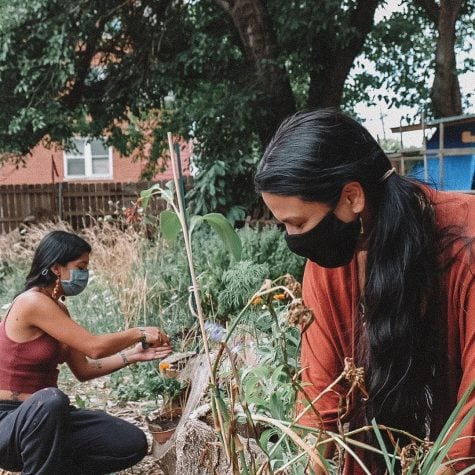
(49, 291)
(361, 256)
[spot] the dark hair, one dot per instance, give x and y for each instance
(57, 247)
(312, 156)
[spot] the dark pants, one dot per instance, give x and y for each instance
(46, 436)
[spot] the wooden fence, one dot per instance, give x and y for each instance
(76, 203)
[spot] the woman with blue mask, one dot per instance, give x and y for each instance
(40, 432)
(389, 278)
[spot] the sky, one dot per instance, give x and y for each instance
(379, 116)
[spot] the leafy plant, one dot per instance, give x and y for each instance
(170, 222)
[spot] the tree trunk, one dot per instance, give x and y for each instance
(445, 94)
(333, 62)
(275, 98)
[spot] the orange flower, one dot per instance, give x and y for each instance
(279, 297)
(163, 366)
(257, 301)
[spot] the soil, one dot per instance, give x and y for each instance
(164, 423)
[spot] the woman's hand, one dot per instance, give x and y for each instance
(154, 337)
(139, 353)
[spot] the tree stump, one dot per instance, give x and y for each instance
(194, 448)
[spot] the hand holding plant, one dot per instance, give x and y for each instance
(154, 337)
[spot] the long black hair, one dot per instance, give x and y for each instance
(57, 247)
(312, 156)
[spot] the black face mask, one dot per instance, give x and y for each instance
(331, 243)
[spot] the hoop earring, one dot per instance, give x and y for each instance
(55, 292)
(361, 225)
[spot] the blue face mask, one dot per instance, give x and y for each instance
(77, 282)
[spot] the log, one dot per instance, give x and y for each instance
(194, 448)
(196, 373)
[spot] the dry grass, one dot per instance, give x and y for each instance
(114, 259)
(115, 254)
(20, 245)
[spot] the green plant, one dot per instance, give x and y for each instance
(171, 227)
(267, 246)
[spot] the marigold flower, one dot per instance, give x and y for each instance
(163, 366)
(257, 301)
(279, 297)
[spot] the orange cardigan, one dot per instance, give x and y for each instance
(333, 295)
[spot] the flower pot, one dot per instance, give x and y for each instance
(163, 426)
(161, 436)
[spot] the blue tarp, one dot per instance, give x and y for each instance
(458, 170)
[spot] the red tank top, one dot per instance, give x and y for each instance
(29, 366)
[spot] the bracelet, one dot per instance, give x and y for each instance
(143, 338)
(124, 358)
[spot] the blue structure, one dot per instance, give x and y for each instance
(458, 151)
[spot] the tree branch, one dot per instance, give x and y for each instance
(256, 32)
(431, 8)
(333, 61)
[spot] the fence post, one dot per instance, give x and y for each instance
(60, 200)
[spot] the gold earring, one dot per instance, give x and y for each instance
(361, 225)
(56, 289)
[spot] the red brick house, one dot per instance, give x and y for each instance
(92, 162)
(75, 187)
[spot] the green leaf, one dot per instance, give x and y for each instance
(431, 463)
(195, 222)
(384, 449)
(226, 232)
(145, 195)
(169, 225)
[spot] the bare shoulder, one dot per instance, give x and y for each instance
(35, 303)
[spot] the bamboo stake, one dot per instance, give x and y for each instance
(194, 281)
(189, 254)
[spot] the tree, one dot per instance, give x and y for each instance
(236, 68)
(423, 39)
(445, 93)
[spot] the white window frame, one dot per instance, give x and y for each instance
(88, 175)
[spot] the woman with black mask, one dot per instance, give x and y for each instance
(389, 277)
(40, 432)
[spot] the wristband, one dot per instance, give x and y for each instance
(143, 338)
(124, 358)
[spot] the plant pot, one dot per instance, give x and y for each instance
(161, 436)
(163, 426)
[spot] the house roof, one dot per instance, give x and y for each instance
(456, 119)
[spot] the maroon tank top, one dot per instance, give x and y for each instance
(29, 366)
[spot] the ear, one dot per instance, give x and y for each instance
(353, 196)
(55, 270)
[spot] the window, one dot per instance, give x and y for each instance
(90, 159)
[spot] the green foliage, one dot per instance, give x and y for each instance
(267, 246)
(225, 284)
(97, 307)
(409, 34)
(12, 280)
(170, 225)
(103, 69)
(240, 282)
(144, 381)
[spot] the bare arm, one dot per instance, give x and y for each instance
(37, 312)
(85, 368)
